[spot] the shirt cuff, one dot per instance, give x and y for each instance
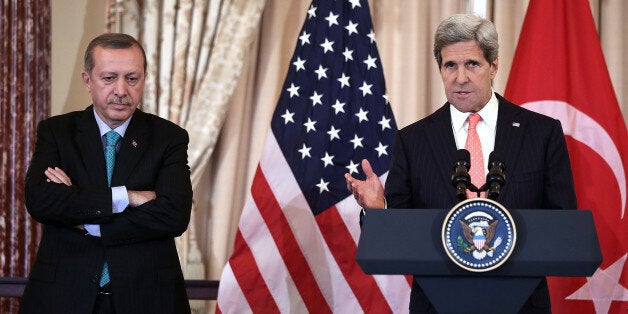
(119, 199)
(93, 230)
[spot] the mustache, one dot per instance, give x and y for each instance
(119, 100)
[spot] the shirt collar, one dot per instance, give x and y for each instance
(488, 114)
(104, 128)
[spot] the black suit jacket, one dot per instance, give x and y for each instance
(533, 149)
(138, 244)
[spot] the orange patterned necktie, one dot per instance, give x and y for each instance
(474, 147)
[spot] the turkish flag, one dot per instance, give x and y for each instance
(559, 70)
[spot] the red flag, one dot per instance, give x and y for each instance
(297, 236)
(559, 70)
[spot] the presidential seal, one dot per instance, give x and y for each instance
(479, 234)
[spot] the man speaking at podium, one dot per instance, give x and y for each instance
(532, 146)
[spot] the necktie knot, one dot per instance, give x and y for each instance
(474, 119)
(112, 138)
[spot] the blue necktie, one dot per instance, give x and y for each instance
(112, 139)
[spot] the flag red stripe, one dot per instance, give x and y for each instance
(343, 249)
(307, 265)
(287, 244)
(249, 278)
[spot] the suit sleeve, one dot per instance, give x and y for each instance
(398, 184)
(58, 204)
(559, 191)
(168, 215)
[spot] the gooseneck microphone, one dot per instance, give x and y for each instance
(461, 179)
(496, 178)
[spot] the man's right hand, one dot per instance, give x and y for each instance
(368, 193)
(137, 198)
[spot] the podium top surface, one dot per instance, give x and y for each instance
(549, 243)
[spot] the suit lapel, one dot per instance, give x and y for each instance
(132, 147)
(90, 148)
(509, 135)
(443, 146)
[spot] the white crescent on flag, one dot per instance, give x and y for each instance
(586, 130)
(559, 70)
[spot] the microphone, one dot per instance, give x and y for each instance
(461, 179)
(495, 179)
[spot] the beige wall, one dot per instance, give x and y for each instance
(74, 24)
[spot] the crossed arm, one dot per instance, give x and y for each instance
(136, 198)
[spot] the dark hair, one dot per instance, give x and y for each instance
(465, 27)
(110, 41)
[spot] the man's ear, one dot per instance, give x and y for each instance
(494, 66)
(86, 80)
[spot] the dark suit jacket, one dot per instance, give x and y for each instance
(533, 149)
(138, 244)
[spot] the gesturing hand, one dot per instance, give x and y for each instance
(368, 193)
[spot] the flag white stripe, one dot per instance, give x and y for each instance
(350, 212)
(326, 272)
(235, 302)
(395, 288)
(268, 258)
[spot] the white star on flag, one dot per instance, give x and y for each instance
(338, 107)
(352, 167)
(305, 38)
(603, 287)
(327, 46)
(348, 54)
(596, 135)
(293, 90)
(288, 116)
(332, 19)
(366, 89)
(352, 28)
(370, 62)
(357, 141)
(321, 72)
(305, 151)
(344, 81)
(362, 115)
(295, 247)
(299, 64)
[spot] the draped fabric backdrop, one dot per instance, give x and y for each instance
(195, 51)
(24, 101)
(216, 68)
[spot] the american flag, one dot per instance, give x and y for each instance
(297, 237)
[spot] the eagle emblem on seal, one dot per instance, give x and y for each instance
(479, 234)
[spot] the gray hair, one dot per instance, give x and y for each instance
(110, 41)
(465, 27)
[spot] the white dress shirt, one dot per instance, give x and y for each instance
(486, 127)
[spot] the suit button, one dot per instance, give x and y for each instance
(97, 212)
(95, 278)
